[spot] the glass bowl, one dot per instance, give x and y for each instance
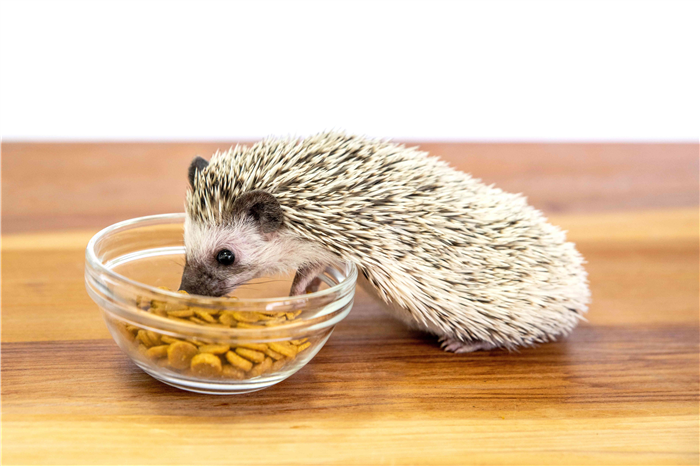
(198, 343)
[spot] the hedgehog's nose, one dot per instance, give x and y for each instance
(201, 289)
(187, 285)
(196, 283)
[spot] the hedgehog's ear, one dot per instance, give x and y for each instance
(198, 164)
(262, 207)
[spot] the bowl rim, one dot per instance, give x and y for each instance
(97, 274)
(99, 266)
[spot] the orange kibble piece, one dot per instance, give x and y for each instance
(249, 317)
(180, 354)
(251, 355)
(206, 365)
(284, 347)
(157, 352)
(154, 337)
(260, 369)
(144, 337)
(301, 348)
(238, 361)
(227, 318)
(274, 354)
(277, 365)
(254, 346)
(205, 316)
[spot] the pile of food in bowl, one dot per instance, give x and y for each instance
(203, 344)
(212, 359)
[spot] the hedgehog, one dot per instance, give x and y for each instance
(474, 265)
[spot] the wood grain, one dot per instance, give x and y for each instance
(603, 396)
(622, 389)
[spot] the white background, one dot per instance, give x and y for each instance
(500, 70)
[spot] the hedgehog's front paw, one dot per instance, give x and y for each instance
(457, 346)
(306, 280)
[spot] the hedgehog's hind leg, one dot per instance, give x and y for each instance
(454, 345)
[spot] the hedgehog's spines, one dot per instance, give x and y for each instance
(456, 256)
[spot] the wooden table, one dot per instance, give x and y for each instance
(623, 389)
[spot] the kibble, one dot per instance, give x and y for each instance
(284, 348)
(303, 346)
(206, 365)
(260, 369)
(212, 360)
(227, 318)
(205, 316)
(157, 352)
(262, 347)
(277, 365)
(246, 316)
(250, 355)
(181, 353)
(238, 361)
(142, 335)
(273, 354)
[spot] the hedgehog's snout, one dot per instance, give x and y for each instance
(196, 281)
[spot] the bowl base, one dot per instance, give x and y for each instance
(213, 387)
(204, 391)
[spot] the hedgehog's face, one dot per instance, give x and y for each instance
(218, 259)
(250, 243)
(221, 257)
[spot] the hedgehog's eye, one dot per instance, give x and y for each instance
(225, 257)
